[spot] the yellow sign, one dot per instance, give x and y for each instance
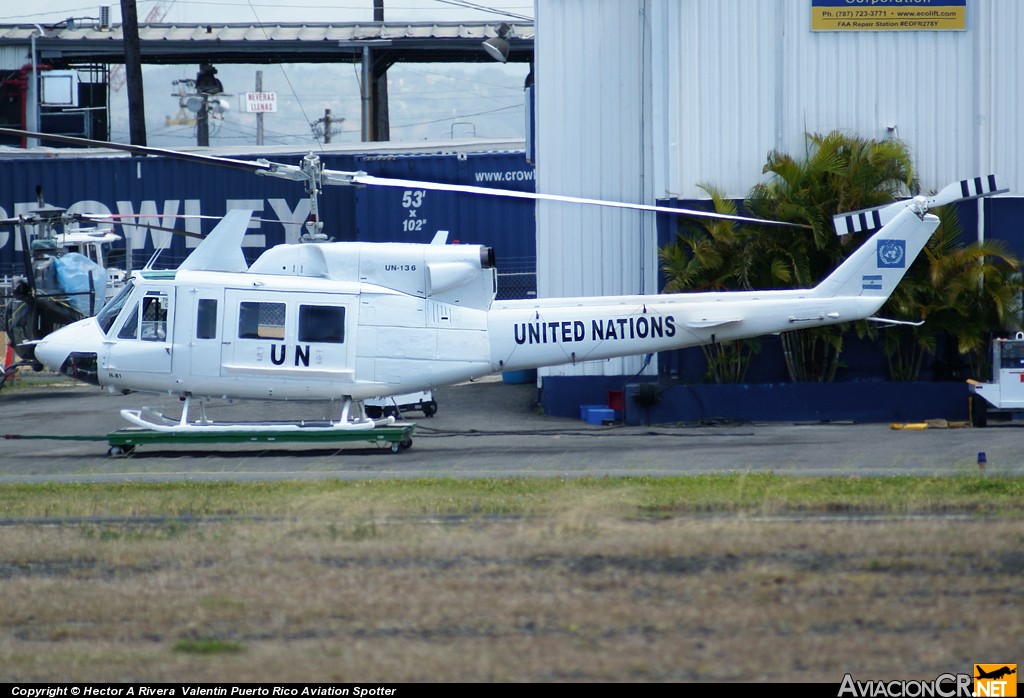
(888, 15)
(996, 680)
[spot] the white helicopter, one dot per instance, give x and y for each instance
(350, 321)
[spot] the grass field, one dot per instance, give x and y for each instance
(709, 578)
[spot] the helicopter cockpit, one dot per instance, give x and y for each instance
(108, 314)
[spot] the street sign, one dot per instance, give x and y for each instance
(259, 102)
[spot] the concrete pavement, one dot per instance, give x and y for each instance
(482, 429)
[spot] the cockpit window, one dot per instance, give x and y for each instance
(154, 316)
(110, 311)
(130, 328)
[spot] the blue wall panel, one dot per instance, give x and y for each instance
(767, 402)
(415, 215)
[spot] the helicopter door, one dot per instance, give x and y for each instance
(197, 320)
(286, 334)
(254, 331)
(142, 340)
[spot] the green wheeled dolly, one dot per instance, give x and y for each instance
(396, 437)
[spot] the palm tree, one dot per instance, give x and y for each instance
(963, 293)
(703, 258)
(839, 173)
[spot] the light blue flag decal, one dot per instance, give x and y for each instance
(871, 282)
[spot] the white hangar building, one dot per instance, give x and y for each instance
(641, 100)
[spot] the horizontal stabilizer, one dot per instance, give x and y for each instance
(705, 323)
(888, 321)
(873, 218)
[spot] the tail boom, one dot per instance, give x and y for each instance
(525, 336)
(547, 332)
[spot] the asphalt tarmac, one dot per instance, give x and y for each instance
(481, 429)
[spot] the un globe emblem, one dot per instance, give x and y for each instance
(891, 253)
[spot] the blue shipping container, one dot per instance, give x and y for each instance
(161, 190)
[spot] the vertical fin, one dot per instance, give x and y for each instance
(880, 263)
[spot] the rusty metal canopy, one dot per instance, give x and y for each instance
(424, 42)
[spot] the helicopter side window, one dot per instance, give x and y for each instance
(206, 318)
(111, 310)
(321, 323)
(154, 317)
(260, 320)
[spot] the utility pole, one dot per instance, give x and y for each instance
(325, 127)
(206, 85)
(259, 115)
(382, 125)
(203, 123)
(374, 89)
(133, 72)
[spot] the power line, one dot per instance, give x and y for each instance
(461, 116)
(483, 8)
(63, 13)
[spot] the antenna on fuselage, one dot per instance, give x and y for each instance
(152, 259)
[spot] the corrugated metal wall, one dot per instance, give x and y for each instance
(645, 99)
(751, 76)
(14, 57)
(593, 104)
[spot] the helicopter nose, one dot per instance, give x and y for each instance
(72, 350)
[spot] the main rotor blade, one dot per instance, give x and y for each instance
(116, 218)
(185, 233)
(371, 180)
(143, 224)
(142, 150)
(297, 173)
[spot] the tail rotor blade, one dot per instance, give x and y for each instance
(965, 190)
(874, 218)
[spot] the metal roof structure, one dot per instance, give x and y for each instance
(425, 42)
(375, 45)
